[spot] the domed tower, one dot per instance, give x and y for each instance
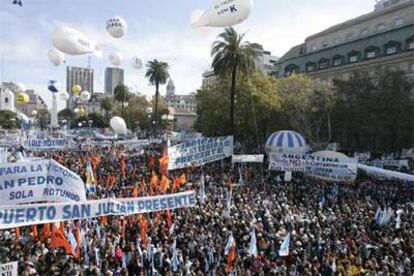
(170, 88)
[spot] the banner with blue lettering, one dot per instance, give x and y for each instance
(199, 151)
(336, 169)
(23, 215)
(34, 181)
(46, 144)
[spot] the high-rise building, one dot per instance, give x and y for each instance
(79, 76)
(381, 39)
(113, 77)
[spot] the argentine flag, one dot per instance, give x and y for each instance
(90, 178)
(284, 247)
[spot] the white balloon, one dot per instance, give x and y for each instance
(73, 42)
(64, 96)
(116, 26)
(76, 110)
(56, 57)
(116, 59)
(224, 14)
(118, 125)
(20, 88)
(34, 112)
(136, 63)
(85, 96)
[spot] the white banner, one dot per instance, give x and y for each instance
(325, 168)
(258, 158)
(388, 163)
(34, 181)
(46, 144)
(4, 154)
(9, 269)
(387, 174)
(23, 215)
(199, 151)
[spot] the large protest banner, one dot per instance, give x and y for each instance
(9, 269)
(23, 215)
(326, 168)
(258, 158)
(42, 180)
(389, 163)
(46, 144)
(199, 151)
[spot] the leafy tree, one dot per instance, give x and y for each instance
(8, 119)
(107, 105)
(157, 73)
(122, 95)
(97, 120)
(257, 101)
(301, 101)
(374, 114)
(233, 56)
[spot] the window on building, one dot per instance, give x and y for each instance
(399, 21)
(349, 36)
(353, 58)
(371, 54)
(323, 63)
(6, 100)
(411, 45)
(381, 27)
(364, 32)
(391, 50)
(337, 60)
(313, 48)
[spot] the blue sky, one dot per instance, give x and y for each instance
(156, 29)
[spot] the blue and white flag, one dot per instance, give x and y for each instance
(253, 244)
(202, 191)
(398, 219)
(230, 243)
(72, 241)
(175, 262)
(284, 247)
(90, 178)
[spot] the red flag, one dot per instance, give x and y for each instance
(111, 181)
(62, 226)
(231, 257)
(17, 231)
(164, 164)
(123, 167)
(176, 185)
(165, 184)
(78, 240)
(143, 226)
(133, 173)
(143, 189)
(169, 219)
(45, 233)
(153, 183)
(58, 240)
(34, 232)
(135, 191)
(152, 161)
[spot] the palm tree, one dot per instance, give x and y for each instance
(233, 57)
(107, 105)
(122, 95)
(157, 73)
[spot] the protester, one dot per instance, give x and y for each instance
(363, 228)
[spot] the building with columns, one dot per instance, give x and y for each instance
(381, 39)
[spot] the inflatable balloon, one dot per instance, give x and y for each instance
(76, 110)
(73, 42)
(85, 96)
(64, 96)
(54, 86)
(118, 125)
(76, 89)
(56, 57)
(224, 14)
(149, 110)
(22, 98)
(115, 59)
(286, 141)
(34, 112)
(116, 27)
(20, 87)
(136, 63)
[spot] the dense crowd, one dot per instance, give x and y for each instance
(334, 228)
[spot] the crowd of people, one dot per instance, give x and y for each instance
(334, 228)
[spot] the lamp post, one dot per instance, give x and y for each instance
(169, 119)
